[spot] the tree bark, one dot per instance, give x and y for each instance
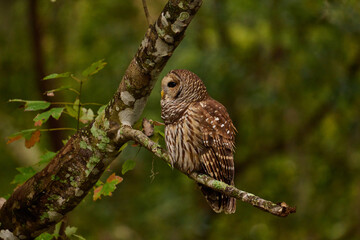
(45, 198)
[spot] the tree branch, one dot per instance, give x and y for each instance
(44, 199)
(280, 209)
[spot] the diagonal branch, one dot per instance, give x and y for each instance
(280, 209)
(49, 195)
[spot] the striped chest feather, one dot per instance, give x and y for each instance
(184, 142)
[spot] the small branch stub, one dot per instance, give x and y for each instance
(286, 209)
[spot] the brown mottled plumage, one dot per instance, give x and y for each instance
(199, 133)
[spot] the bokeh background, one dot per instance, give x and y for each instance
(288, 71)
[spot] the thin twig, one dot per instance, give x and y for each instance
(56, 90)
(75, 78)
(146, 10)
(280, 209)
(70, 103)
(79, 107)
(56, 129)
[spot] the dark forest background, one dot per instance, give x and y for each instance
(288, 71)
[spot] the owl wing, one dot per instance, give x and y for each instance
(218, 135)
(216, 154)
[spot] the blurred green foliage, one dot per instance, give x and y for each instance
(288, 71)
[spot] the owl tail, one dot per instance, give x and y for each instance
(217, 201)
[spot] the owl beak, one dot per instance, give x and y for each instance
(162, 94)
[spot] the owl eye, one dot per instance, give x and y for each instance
(171, 84)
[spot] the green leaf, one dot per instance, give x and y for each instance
(123, 147)
(159, 132)
(138, 124)
(57, 75)
(94, 68)
(56, 112)
(64, 141)
(44, 236)
(108, 188)
(57, 230)
(24, 174)
(44, 116)
(32, 136)
(156, 137)
(127, 166)
(79, 237)
(69, 231)
(101, 109)
(162, 134)
(24, 133)
(86, 115)
(98, 183)
(70, 110)
(36, 105)
(45, 158)
(76, 105)
(32, 105)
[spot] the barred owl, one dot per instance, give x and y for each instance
(199, 133)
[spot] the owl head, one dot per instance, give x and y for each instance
(182, 86)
